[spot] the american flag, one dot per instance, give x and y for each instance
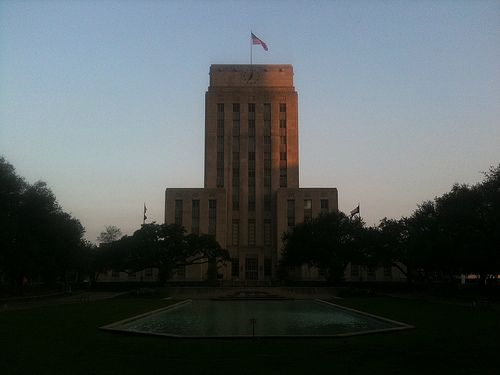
(355, 211)
(256, 40)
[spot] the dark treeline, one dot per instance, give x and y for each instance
(39, 242)
(457, 233)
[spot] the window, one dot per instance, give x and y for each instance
(235, 264)
(267, 177)
(236, 198)
(283, 178)
(236, 177)
(324, 206)
(148, 273)
(115, 273)
(251, 269)
(267, 202)
(251, 197)
(251, 232)
(195, 217)
(282, 116)
(307, 209)
(267, 232)
(290, 213)
(236, 144)
(178, 212)
(267, 112)
(251, 144)
(236, 232)
(268, 267)
(212, 216)
(251, 119)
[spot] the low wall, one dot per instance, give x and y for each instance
(216, 292)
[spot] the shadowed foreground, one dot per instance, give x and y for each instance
(64, 339)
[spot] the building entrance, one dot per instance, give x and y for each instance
(251, 269)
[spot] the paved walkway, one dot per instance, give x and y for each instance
(54, 299)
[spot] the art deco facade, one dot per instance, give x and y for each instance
(251, 193)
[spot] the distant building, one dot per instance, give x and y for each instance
(251, 193)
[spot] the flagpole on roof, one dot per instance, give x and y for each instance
(251, 47)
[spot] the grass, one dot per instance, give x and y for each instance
(65, 339)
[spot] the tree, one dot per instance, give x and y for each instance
(166, 247)
(329, 241)
(94, 260)
(37, 238)
(395, 247)
(469, 220)
(109, 235)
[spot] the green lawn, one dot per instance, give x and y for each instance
(65, 340)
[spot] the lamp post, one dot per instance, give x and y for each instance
(253, 321)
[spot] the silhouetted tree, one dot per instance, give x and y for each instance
(166, 247)
(395, 250)
(38, 239)
(329, 241)
(94, 260)
(110, 234)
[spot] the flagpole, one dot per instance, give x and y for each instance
(251, 49)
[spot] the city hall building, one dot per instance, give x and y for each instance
(251, 192)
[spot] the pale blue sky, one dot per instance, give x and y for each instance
(104, 100)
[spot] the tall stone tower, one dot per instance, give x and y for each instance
(251, 191)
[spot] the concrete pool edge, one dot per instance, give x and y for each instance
(378, 317)
(114, 327)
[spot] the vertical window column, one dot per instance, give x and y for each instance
(178, 212)
(236, 151)
(290, 213)
(236, 232)
(251, 157)
(283, 150)
(212, 217)
(220, 145)
(195, 217)
(251, 232)
(267, 157)
(267, 232)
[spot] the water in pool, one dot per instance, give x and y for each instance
(273, 318)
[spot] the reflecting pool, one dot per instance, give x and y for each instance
(201, 318)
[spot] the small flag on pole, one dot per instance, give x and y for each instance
(355, 211)
(256, 40)
(145, 209)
